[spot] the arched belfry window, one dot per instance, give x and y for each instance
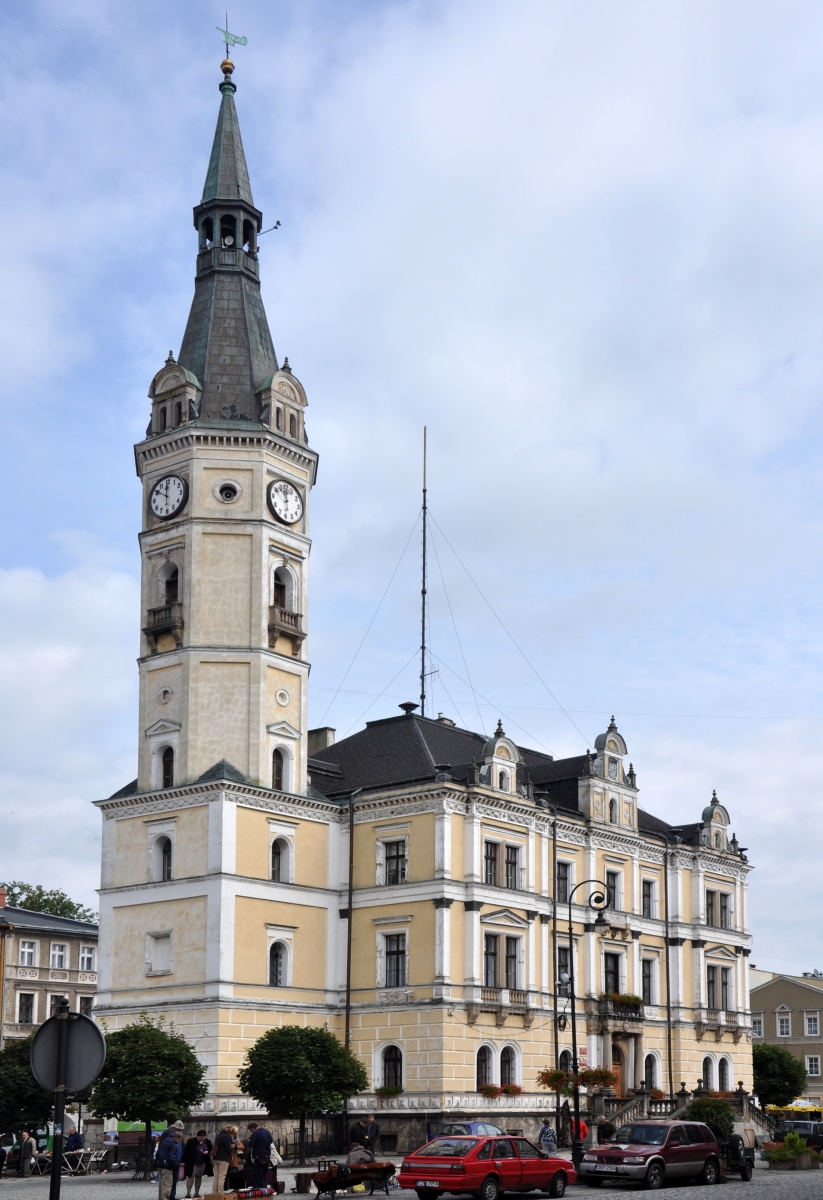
(165, 858)
(278, 964)
(172, 586)
(613, 811)
(392, 1067)
(228, 231)
(503, 781)
(178, 413)
(168, 767)
(292, 425)
(278, 418)
(277, 762)
(484, 1066)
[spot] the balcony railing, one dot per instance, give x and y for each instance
(517, 998)
(166, 618)
(490, 995)
(284, 623)
(620, 1009)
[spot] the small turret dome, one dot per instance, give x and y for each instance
(715, 812)
(610, 740)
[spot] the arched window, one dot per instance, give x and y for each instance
(277, 770)
(707, 1073)
(566, 1061)
(280, 861)
(178, 413)
(168, 767)
(613, 810)
(723, 1075)
(165, 858)
(503, 781)
(281, 589)
(278, 418)
(718, 841)
(172, 586)
(278, 962)
(228, 231)
(650, 1072)
(508, 1066)
(207, 233)
(248, 236)
(392, 1067)
(162, 418)
(484, 1066)
(292, 425)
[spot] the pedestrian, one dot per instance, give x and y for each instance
(221, 1157)
(605, 1130)
(28, 1149)
(359, 1132)
(372, 1134)
(583, 1129)
(547, 1137)
(197, 1160)
(169, 1153)
(258, 1153)
(358, 1153)
(73, 1149)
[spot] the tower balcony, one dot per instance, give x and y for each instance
(166, 618)
(283, 623)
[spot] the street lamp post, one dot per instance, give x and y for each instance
(598, 900)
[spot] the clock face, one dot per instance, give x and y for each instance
(285, 502)
(612, 768)
(168, 496)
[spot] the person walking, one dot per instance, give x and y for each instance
(28, 1149)
(372, 1134)
(169, 1153)
(258, 1153)
(221, 1157)
(547, 1137)
(197, 1161)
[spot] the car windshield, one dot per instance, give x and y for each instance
(800, 1127)
(641, 1135)
(446, 1148)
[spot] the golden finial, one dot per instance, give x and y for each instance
(227, 66)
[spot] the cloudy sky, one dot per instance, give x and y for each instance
(582, 243)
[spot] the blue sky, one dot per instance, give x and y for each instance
(582, 243)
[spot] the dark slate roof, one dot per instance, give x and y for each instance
(222, 770)
(227, 177)
(129, 790)
(26, 918)
(227, 344)
(401, 750)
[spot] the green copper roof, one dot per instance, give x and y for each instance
(227, 177)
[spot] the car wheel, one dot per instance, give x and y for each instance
(710, 1173)
(654, 1177)
(557, 1186)
(490, 1189)
(746, 1171)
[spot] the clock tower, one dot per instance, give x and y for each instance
(226, 472)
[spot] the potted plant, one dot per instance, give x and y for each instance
(512, 1089)
(490, 1090)
(597, 1077)
(384, 1092)
(553, 1079)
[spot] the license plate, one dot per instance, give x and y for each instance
(601, 1167)
(424, 1183)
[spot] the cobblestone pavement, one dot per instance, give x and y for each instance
(765, 1185)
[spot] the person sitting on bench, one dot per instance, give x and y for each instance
(359, 1154)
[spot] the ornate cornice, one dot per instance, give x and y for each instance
(153, 450)
(198, 794)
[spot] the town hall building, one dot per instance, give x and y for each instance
(224, 901)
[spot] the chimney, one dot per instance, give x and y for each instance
(3, 894)
(319, 739)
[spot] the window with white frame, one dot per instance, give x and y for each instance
(59, 956)
(26, 1008)
(392, 859)
(491, 862)
(158, 953)
(812, 1024)
(87, 957)
(514, 872)
(784, 1025)
(613, 881)
(564, 882)
(26, 955)
(512, 963)
(278, 964)
(647, 966)
(161, 850)
(508, 1065)
(757, 1024)
(395, 960)
(812, 1064)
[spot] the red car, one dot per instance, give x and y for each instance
(483, 1167)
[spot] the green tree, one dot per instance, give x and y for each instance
(21, 1097)
(778, 1076)
(34, 897)
(711, 1111)
(294, 1071)
(151, 1074)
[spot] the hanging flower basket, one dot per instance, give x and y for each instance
(597, 1077)
(553, 1079)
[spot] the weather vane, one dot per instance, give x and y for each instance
(231, 39)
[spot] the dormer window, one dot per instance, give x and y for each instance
(503, 781)
(613, 811)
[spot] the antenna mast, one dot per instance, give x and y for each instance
(423, 594)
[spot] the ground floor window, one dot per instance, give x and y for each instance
(508, 1066)
(392, 1067)
(484, 1066)
(707, 1073)
(650, 1072)
(723, 1075)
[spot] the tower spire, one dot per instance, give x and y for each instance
(227, 345)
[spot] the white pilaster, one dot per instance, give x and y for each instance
(545, 869)
(442, 940)
(472, 943)
(443, 846)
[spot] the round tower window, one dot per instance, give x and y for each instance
(228, 492)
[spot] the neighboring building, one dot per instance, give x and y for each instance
(45, 959)
(224, 899)
(787, 1011)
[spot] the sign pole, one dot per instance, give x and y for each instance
(59, 1100)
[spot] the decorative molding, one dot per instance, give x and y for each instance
(473, 905)
(442, 902)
